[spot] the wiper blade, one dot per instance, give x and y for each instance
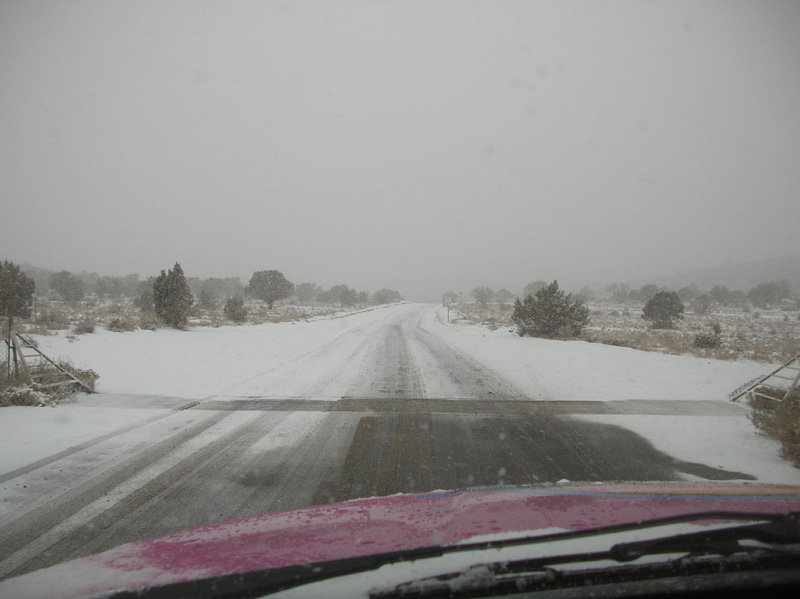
(777, 572)
(777, 547)
(773, 533)
(262, 582)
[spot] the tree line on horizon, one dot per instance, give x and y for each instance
(768, 293)
(547, 311)
(172, 294)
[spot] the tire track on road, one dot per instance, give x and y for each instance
(515, 447)
(389, 369)
(133, 518)
(80, 447)
(25, 528)
(471, 377)
(345, 347)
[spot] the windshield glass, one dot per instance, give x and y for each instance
(262, 256)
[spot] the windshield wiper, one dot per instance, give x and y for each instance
(776, 532)
(770, 544)
(773, 534)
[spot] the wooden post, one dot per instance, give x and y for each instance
(12, 346)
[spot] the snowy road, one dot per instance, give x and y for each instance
(368, 411)
(393, 354)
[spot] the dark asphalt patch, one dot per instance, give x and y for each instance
(412, 453)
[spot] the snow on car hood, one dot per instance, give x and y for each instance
(385, 525)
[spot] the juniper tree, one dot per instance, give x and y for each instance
(235, 310)
(483, 295)
(386, 296)
(270, 286)
(550, 313)
(69, 286)
(663, 310)
(16, 291)
(172, 297)
(307, 292)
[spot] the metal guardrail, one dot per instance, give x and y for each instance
(787, 372)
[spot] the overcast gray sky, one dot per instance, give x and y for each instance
(417, 145)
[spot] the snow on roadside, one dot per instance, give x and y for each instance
(200, 362)
(727, 443)
(578, 370)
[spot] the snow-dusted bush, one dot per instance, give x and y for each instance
(704, 340)
(234, 309)
(120, 325)
(84, 327)
(54, 318)
(148, 321)
(663, 310)
(551, 313)
(24, 394)
(45, 389)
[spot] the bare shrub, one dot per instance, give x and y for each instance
(17, 391)
(49, 386)
(84, 327)
(54, 319)
(148, 321)
(704, 340)
(120, 325)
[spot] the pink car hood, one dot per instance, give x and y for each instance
(383, 525)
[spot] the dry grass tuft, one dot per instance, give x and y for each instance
(47, 388)
(780, 419)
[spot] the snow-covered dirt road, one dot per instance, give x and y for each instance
(393, 354)
(393, 400)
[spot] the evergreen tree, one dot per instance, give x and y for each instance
(235, 310)
(68, 286)
(769, 294)
(483, 295)
(550, 313)
(16, 291)
(386, 296)
(172, 297)
(270, 286)
(339, 294)
(145, 301)
(663, 310)
(307, 292)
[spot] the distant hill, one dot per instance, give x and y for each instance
(740, 276)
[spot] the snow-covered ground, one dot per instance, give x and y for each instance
(205, 363)
(576, 370)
